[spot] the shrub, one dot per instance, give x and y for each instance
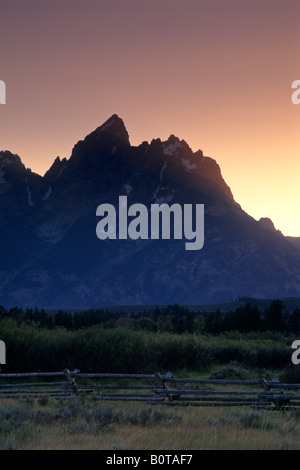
(291, 375)
(253, 420)
(230, 373)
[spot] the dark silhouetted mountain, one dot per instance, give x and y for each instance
(55, 170)
(20, 188)
(51, 256)
(295, 241)
(268, 223)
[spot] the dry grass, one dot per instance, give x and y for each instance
(139, 427)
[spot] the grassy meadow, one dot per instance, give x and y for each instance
(72, 425)
(188, 346)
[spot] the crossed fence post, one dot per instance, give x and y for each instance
(71, 379)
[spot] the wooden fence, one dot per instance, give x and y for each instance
(154, 389)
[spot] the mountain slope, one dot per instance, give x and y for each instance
(52, 256)
(295, 241)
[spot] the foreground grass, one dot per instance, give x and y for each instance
(76, 425)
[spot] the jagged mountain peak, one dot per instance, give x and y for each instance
(12, 169)
(174, 145)
(114, 128)
(172, 139)
(56, 169)
(8, 158)
(51, 255)
(12, 165)
(268, 223)
(105, 139)
(106, 155)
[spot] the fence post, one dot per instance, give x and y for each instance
(72, 380)
(169, 395)
(264, 384)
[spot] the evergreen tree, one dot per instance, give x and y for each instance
(294, 321)
(275, 319)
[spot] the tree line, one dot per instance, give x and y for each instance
(172, 319)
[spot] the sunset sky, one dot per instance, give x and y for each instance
(216, 73)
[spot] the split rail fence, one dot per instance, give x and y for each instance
(154, 389)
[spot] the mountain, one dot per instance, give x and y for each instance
(269, 224)
(295, 241)
(51, 256)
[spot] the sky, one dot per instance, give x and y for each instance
(215, 73)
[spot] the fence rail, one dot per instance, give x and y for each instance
(155, 389)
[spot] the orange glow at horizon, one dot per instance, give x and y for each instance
(216, 74)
